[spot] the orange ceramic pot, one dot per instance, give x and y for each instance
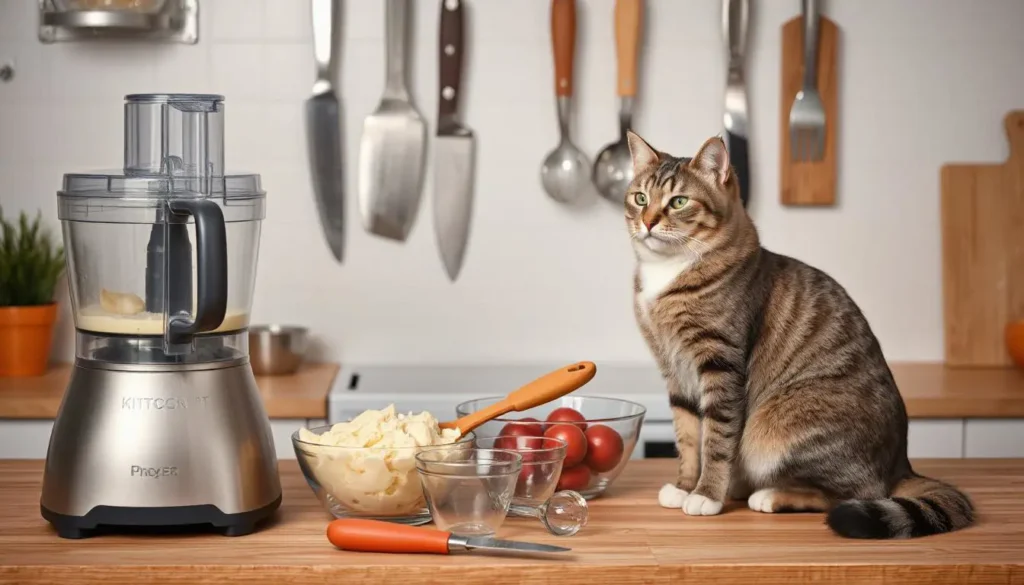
(1015, 342)
(25, 337)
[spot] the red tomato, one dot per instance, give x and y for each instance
(574, 478)
(604, 448)
(575, 442)
(568, 415)
(525, 428)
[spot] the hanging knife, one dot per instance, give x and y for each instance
(358, 534)
(735, 15)
(323, 126)
(453, 174)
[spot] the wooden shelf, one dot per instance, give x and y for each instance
(629, 539)
(299, 395)
(933, 390)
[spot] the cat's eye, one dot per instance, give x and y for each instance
(678, 202)
(640, 199)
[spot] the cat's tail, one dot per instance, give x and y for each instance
(919, 506)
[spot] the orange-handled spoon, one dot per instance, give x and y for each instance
(358, 534)
(540, 391)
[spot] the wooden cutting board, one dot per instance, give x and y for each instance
(809, 183)
(983, 253)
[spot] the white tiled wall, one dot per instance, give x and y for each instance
(923, 82)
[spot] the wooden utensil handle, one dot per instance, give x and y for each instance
(1014, 123)
(450, 57)
(357, 534)
(628, 18)
(551, 386)
(563, 43)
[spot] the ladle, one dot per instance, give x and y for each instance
(613, 168)
(565, 173)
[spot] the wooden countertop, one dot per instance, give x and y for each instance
(930, 390)
(299, 395)
(629, 539)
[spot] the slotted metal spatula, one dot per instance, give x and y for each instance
(394, 136)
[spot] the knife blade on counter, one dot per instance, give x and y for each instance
(323, 126)
(735, 16)
(362, 535)
(454, 148)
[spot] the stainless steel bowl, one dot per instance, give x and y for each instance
(276, 349)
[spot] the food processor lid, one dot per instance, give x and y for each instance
(173, 148)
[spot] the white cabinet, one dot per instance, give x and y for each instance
(282, 429)
(24, 438)
(935, 438)
(995, 437)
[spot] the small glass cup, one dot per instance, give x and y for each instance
(468, 491)
(542, 464)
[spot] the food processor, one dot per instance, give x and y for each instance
(162, 423)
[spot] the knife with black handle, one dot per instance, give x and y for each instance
(735, 16)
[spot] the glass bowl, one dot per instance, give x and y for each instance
(600, 467)
(380, 483)
(469, 491)
(542, 464)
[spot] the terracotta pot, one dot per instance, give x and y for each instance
(1015, 342)
(25, 337)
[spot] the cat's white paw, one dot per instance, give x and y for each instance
(671, 497)
(761, 501)
(698, 505)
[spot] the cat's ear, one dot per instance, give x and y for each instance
(644, 157)
(713, 158)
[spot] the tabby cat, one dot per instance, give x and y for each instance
(779, 391)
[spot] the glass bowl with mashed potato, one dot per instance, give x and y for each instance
(366, 467)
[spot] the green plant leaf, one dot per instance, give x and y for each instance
(31, 263)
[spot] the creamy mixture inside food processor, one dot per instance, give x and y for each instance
(125, 313)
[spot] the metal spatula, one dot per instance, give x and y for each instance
(394, 137)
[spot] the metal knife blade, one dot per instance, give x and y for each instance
(497, 544)
(323, 127)
(323, 132)
(454, 150)
(391, 151)
(735, 16)
(453, 198)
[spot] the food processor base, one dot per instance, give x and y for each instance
(101, 518)
(160, 450)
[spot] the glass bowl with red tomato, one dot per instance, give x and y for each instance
(599, 433)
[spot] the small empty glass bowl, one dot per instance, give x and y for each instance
(380, 483)
(542, 464)
(468, 491)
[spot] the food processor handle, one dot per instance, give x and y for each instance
(211, 270)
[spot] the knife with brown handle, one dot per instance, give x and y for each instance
(454, 150)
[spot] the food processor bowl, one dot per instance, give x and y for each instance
(163, 251)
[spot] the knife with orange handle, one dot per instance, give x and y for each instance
(361, 535)
(540, 391)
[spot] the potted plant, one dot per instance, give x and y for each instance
(30, 265)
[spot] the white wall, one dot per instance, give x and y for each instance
(923, 82)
